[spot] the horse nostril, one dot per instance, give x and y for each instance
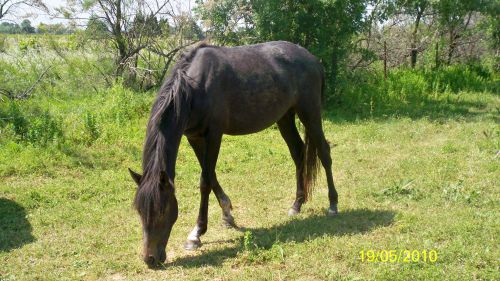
(150, 260)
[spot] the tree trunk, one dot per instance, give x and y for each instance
(414, 50)
(120, 39)
(452, 46)
(385, 60)
(437, 55)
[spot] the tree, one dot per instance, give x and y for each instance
(96, 27)
(8, 7)
(117, 16)
(142, 41)
(57, 28)
(455, 18)
(26, 27)
(230, 22)
(188, 28)
(325, 27)
(10, 28)
(416, 10)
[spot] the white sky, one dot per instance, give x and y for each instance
(36, 16)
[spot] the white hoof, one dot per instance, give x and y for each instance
(292, 212)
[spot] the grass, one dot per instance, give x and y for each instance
(413, 171)
(404, 183)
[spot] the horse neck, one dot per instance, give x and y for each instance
(162, 144)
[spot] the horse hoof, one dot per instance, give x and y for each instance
(293, 212)
(333, 211)
(192, 245)
(229, 222)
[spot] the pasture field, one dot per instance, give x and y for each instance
(420, 174)
(415, 184)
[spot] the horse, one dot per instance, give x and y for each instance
(215, 90)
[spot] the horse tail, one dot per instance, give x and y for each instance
(310, 163)
(310, 166)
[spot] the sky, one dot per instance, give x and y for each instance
(37, 16)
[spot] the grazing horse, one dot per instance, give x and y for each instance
(213, 91)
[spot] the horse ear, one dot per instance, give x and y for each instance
(135, 176)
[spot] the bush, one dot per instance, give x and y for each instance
(37, 126)
(457, 78)
(92, 130)
(366, 92)
(126, 104)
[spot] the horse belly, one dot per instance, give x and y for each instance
(256, 111)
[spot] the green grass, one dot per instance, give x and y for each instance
(405, 182)
(416, 164)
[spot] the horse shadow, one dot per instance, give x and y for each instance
(356, 221)
(14, 227)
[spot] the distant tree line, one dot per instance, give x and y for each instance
(145, 36)
(26, 28)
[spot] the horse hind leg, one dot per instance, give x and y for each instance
(311, 119)
(295, 144)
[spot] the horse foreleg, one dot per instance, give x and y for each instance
(207, 151)
(193, 241)
(225, 204)
(198, 145)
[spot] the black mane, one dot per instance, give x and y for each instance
(174, 90)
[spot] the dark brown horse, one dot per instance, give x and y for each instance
(213, 91)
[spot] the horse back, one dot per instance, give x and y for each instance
(246, 89)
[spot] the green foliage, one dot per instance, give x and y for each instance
(11, 115)
(34, 125)
(126, 104)
(456, 193)
(402, 189)
(231, 22)
(26, 27)
(96, 27)
(3, 44)
(10, 28)
(44, 129)
(147, 25)
(56, 29)
(28, 43)
(91, 128)
(248, 241)
(255, 254)
(323, 27)
(405, 90)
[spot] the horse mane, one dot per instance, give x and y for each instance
(175, 90)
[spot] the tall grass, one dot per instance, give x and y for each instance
(78, 94)
(411, 91)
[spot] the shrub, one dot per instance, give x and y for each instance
(126, 104)
(366, 92)
(35, 126)
(92, 130)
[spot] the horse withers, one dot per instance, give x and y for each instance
(213, 91)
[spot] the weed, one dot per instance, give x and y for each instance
(91, 128)
(403, 188)
(456, 193)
